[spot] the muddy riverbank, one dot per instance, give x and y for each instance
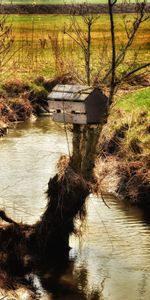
(127, 180)
(21, 100)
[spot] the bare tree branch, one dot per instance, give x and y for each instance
(113, 45)
(131, 29)
(6, 41)
(83, 40)
(132, 72)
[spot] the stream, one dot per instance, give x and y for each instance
(111, 261)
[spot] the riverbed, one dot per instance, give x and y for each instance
(111, 260)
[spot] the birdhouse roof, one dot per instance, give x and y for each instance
(70, 92)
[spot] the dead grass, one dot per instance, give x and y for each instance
(106, 174)
(18, 109)
(22, 108)
(134, 183)
(14, 87)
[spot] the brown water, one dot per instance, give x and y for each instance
(112, 259)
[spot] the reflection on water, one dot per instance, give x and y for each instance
(112, 260)
(28, 157)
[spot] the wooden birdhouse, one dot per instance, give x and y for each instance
(77, 104)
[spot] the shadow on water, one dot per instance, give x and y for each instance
(53, 278)
(131, 210)
(146, 217)
(63, 282)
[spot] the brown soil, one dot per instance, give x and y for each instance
(67, 9)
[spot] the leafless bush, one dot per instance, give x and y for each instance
(118, 57)
(6, 42)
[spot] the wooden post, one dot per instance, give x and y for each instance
(90, 149)
(85, 142)
(76, 158)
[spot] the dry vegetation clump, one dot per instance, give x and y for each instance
(23, 98)
(113, 144)
(106, 173)
(139, 80)
(134, 183)
(135, 146)
(6, 116)
(49, 84)
(125, 135)
(40, 88)
(15, 87)
(22, 108)
(6, 113)
(18, 109)
(20, 99)
(124, 145)
(126, 173)
(14, 104)
(129, 179)
(37, 93)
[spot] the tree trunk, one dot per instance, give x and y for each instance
(113, 63)
(88, 55)
(91, 140)
(76, 155)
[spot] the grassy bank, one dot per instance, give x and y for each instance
(133, 110)
(125, 147)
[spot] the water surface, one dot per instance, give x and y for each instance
(112, 259)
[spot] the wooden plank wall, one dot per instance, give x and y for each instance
(70, 118)
(67, 106)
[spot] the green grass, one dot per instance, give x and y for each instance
(139, 100)
(30, 59)
(132, 109)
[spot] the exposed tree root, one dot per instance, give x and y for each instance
(46, 243)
